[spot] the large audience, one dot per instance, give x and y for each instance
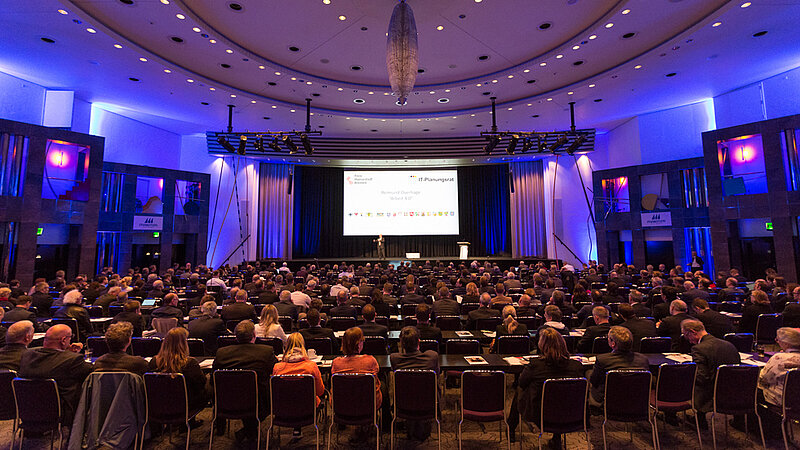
(563, 309)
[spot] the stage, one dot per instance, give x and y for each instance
(504, 263)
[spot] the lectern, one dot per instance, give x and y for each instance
(463, 250)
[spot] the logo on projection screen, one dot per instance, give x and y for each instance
(657, 219)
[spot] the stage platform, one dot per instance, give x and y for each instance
(504, 263)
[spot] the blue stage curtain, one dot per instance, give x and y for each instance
(274, 211)
(527, 210)
(483, 213)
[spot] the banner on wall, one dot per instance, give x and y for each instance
(657, 219)
(148, 223)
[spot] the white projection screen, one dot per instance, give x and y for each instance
(400, 202)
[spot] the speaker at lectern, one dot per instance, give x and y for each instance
(463, 250)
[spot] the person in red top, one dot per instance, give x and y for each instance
(296, 362)
(353, 362)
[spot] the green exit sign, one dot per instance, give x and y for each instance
(769, 226)
(157, 234)
(39, 231)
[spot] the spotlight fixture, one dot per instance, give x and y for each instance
(512, 144)
(527, 145)
(558, 143)
(575, 145)
(493, 141)
(287, 141)
(227, 145)
(306, 144)
(275, 144)
(258, 144)
(242, 144)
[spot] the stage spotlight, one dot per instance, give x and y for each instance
(540, 144)
(306, 144)
(575, 145)
(527, 145)
(512, 144)
(561, 141)
(287, 141)
(275, 144)
(258, 144)
(225, 144)
(493, 141)
(242, 144)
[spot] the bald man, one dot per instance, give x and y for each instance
(671, 326)
(18, 337)
(58, 359)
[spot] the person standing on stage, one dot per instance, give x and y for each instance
(381, 247)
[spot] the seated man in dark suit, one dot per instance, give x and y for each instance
(240, 310)
(247, 355)
(708, 353)
(445, 306)
(369, 327)
(410, 357)
(169, 308)
(525, 309)
(42, 299)
(108, 298)
(18, 338)
(483, 312)
(500, 298)
(118, 338)
(411, 296)
(622, 356)
(716, 324)
(427, 332)
(600, 328)
(21, 310)
(285, 306)
(269, 296)
(60, 360)
(671, 326)
(132, 313)
(636, 299)
(342, 309)
(208, 327)
(691, 293)
(638, 326)
(72, 309)
(314, 330)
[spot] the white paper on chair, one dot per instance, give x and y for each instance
(515, 360)
(753, 362)
(207, 363)
(489, 334)
(678, 357)
(475, 360)
(467, 334)
(338, 334)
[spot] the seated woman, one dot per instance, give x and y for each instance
(760, 305)
(553, 362)
(295, 362)
(268, 326)
(774, 373)
(353, 362)
(510, 326)
(174, 358)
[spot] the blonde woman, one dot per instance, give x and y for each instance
(268, 325)
(295, 362)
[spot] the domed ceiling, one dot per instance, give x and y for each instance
(177, 63)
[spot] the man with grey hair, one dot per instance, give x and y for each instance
(73, 309)
(483, 311)
(622, 357)
(42, 300)
(107, 299)
(285, 306)
(671, 326)
(240, 309)
(600, 328)
(773, 374)
(207, 327)
(18, 337)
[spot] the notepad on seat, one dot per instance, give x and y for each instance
(475, 360)
(678, 357)
(462, 334)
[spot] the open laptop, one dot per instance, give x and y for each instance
(149, 302)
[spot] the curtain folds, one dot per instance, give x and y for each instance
(527, 210)
(275, 215)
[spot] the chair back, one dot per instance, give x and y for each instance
(341, 323)
(483, 395)
(791, 395)
(418, 399)
(427, 344)
(321, 345)
(113, 310)
(627, 396)
(8, 410)
(448, 323)
(462, 347)
(353, 396)
(382, 320)
(97, 345)
(572, 342)
(731, 306)
(409, 309)
(302, 324)
(196, 347)
(95, 311)
(488, 323)
(235, 394)
(742, 341)
(145, 346)
(655, 345)
(675, 383)
(465, 308)
(564, 405)
(286, 323)
(410, 321)
(38, 403)
(167, 398)
(275, 342)
(293, 400)
(374, 345)
(735, 388)
(162, 325)
(514, 345)
(531, 322)
(767, 327)
(72, 324)
(600, 345)
(230, 325)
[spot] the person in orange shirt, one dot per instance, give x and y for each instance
(296, 362)
(353, 362)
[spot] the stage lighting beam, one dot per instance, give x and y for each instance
(225, 144)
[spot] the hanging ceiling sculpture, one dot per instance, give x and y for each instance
(402, 59)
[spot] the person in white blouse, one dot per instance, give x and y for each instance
(268, 325)
(774, 373)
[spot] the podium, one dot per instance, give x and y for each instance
(463, 250)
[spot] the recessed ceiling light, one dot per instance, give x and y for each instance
(359, 100)
(252, 101)
(510, 109)
(180, 16)
(626, 11)
(443, 100)
(483, 57)
(511, 76)
(190, 80)
(262, 67)
(716, 24)
(543, 64)
(294, 49)
(229, 51)
(526, 70)
(545, 26)
(440, 28)
(177, 39)
(117, 46)
(746, 4)
(598, 100)
(91, 30)
(531, 81)
(212, 89)
(212, 41)
(196, 29)
(327, 2)
(479, 85)
(671, 74)
(233, 95)
(628, 35)
(568, 93)
(638, 66)
(225, 66)
(235, 6)
(759, 34)
(61, 11)
(494, 81)
(309, 83)
(559, 56)
(575, 47)
(342, 18)
(165, 2)
(340, 89)
(593, 37)
(127, 2)
(446, 90)
(609, 24)
(48, 40)
(143, 59)
(274, 107)
(167, 71)
(478, 1)
(550, 99)
(592, 85)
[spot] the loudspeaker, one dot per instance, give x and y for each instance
(510, 180)
(291, 181)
